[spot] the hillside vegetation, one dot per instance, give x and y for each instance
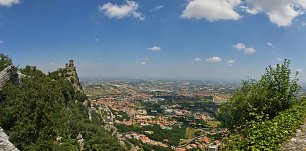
(45, 112)
(263, 114)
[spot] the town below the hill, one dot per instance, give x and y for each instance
(161, 114)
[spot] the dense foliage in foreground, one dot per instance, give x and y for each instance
(268, 135)
(275, 92)
(262, 115)
(44, 112)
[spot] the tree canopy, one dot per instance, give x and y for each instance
(264, 99)
(4, 61)
(43, 108)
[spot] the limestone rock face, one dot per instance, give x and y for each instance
(80, 141)
(10, 73)
(70, 73)
(298, 142)
(5, 145)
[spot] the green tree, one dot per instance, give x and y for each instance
(45, 107)
(262, 99)
(32, 71)
(4, 61)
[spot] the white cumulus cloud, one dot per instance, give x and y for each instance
(270, 44)
(244, 48)
(249, 10)
(143, 62)
(214, 59)
(212, 10)
(159, 7)
(9, 3)
(130, 8)
(280, 12)
(197, 59)
(155, 48)
(231, 61)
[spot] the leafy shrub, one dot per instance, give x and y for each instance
(273, 93)
(4, 61)
(268, 135)
(44, 107)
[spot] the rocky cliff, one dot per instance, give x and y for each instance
(5, 144)
(10, 73)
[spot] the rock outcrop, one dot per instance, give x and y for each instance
(80, 141)
(5, 145)
(69, 72)
(10, 73)
(298, 142)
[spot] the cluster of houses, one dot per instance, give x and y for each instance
(166, 120)
(141, 137)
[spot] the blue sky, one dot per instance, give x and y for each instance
(187, 39)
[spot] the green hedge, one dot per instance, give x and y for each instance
(269, 135)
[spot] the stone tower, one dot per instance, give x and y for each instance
(71, 63)
(70, 73)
